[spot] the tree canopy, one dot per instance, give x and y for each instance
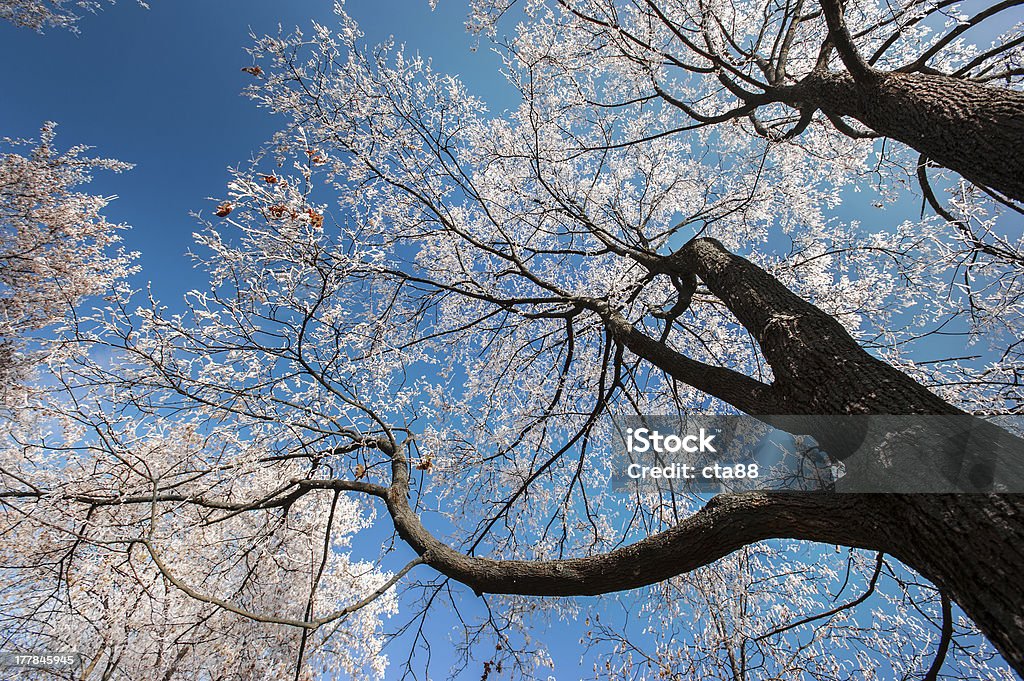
(399, 389)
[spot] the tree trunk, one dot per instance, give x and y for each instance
(974, 129)
(970, 545)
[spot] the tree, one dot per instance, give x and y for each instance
(54, 241)
(770, 71)
(40, 14)
(773, 65)
(451, 338)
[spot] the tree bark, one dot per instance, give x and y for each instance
(976, 130)
(971, 546)
(819, 368)
(972, 128)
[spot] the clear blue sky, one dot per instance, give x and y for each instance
(161, 89)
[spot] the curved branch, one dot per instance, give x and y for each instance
(853, 133)
(901, 28)
(941, 44)
(964, 229)
(951, 542)
(305, 624)
(879, 560)
(984, 56)
(726, 524)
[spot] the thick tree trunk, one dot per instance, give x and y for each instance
(970, 545)
(976, 130)
(972, 128)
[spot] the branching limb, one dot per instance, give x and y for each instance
(879, 560)
(840, 37)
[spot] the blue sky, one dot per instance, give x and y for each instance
(161, 88)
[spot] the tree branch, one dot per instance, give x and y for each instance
(726, 524)
(843, 41)
(945, 639)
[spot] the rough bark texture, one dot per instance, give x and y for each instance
(818, 366)
(971, 546)
(976, 130)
